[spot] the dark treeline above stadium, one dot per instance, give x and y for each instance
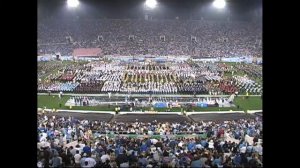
(165, 9)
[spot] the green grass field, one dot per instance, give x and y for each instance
(252, 103)
(50, 102)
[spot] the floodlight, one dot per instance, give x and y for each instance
(151, 3)
(73, 3)
(220, 4)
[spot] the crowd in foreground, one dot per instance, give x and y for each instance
(68, 142)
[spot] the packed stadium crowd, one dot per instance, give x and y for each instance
(181, 62)
(155, 37)
(152, 78)
(69, 142)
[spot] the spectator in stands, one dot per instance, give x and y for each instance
(224, 39)
(77, 158)
(215, 150)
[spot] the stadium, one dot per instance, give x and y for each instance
(149, 83)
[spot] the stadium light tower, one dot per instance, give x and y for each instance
(151, 3)
(72, 3)
(220, 4)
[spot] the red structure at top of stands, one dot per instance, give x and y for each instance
(87, 52)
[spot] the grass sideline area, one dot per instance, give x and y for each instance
(52, 102)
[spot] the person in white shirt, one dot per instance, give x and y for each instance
(180, 143)
(153, 141)
(211, 144)
(73, 150)
(258, 149)
(40, 163)
(156, 156)
(43, 137)
(91, 162)
(199, 146)
(77, 158)
(243, 149)
(104, 158)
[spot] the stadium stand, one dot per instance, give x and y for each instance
(213, 38)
